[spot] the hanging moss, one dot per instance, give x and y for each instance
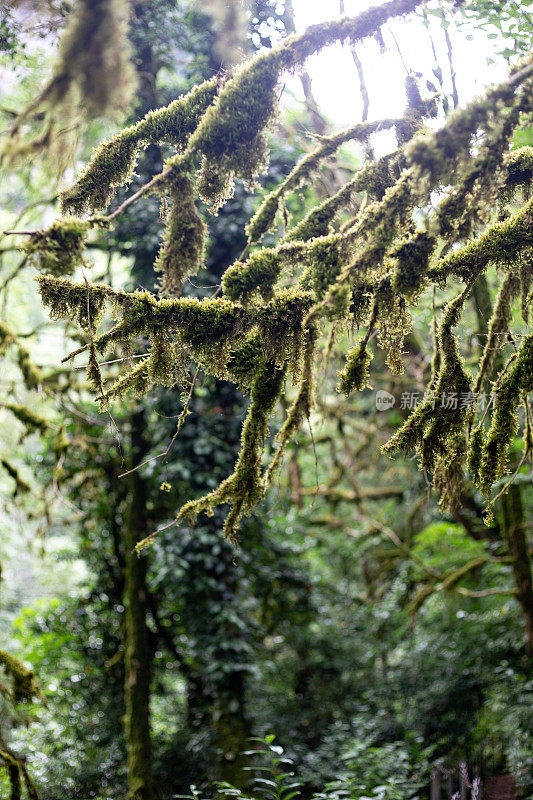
(324, 257)
(498, 325)
(519, 166)
(182, 251)
(94, 375)
(137, 381)
(65, 299)
(437, 429)
(448, 478)
(230, 135)
(59, 249)
(96, 55)
(244, 359)
(356, 373)
(244, 488)
(300, 175)
(417, 109)
(300, 409)
(504, 421)
(500, 244)
(394, 323)
(113, 163)
(30, 419)
(30, 372)
(476, 446)
(93, 77)
(412, 257)
(163, 359)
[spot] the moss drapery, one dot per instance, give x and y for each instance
(372, 270)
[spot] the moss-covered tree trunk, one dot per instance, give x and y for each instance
(138, 656)
(514, 531)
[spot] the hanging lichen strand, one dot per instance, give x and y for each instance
(93, 77)
(370, 271)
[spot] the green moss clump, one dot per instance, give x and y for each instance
(324, 258)
(498, 325)
(280, 325)
(230, 135)
(136, 380)
(317, 222)
(501, 243)
(448, 478)
(356, 373)
(243, 360)
(412, 257)
(519, 165)
(111, 166)
(259, 273)
(415, 111)
(264, 218)
(25, 686)
(182, 251)
(113, 162)
(302, 406)
(82, 301)
(163, 359)
(59, 249)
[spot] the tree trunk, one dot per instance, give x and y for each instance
(138, 656)
(232, 732)
(514, 531)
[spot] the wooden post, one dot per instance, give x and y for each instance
(463, 785)
(449, 786)
(435, 785)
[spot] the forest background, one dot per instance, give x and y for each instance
(373, 635)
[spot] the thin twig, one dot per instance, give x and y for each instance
(181, 420)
